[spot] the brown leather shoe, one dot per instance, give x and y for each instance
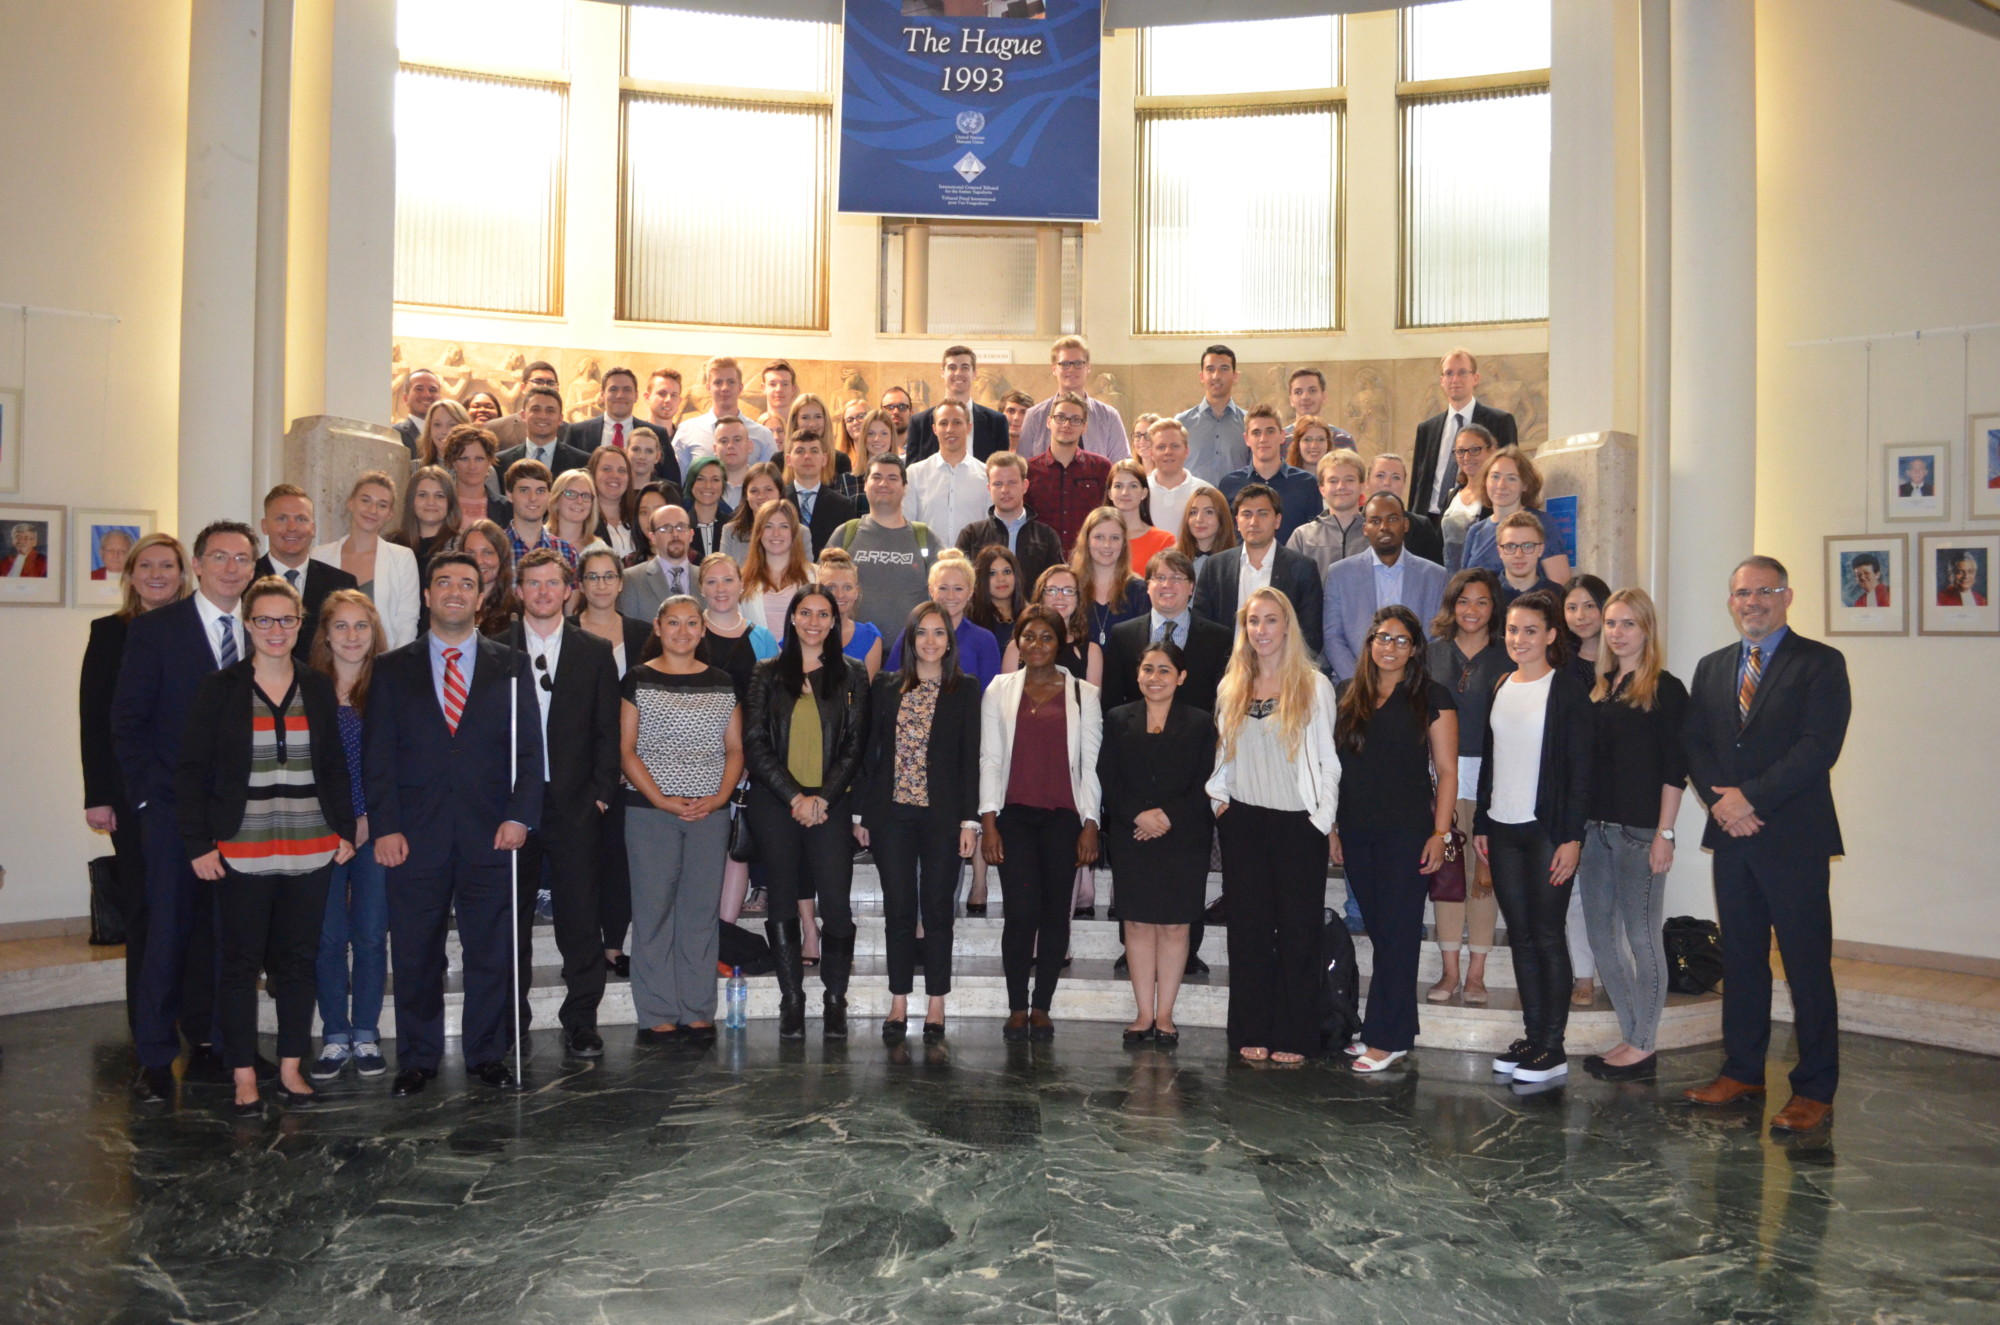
(1802, 1115)
(1722, 1090)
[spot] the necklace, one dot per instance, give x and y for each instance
(708, 615)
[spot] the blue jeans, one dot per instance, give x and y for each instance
(357, 916)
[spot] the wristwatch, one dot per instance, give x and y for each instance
(1667, 833)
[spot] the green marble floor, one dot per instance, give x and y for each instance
(990, 1182)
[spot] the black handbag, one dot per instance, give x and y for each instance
(1694, 955)
(107, 922)
(742, 846)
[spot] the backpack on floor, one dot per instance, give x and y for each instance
(740, 947)
(1339, 985)
(1694, 955)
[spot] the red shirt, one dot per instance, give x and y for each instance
(1062, 495)
(1039, 773)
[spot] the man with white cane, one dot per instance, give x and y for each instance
(453, 764)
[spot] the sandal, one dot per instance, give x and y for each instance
(1253, 1053)
(1288, 1058)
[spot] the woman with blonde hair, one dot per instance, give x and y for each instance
(572, 516)
(1276, 789)
(859, 640)
(877, 437)
(386, 572)
(808, 414)
(777, 566)
(950, 584)
(1110, 592)
(1640, 773)
(735, 642)
(439, 420)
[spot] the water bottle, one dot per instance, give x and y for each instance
(736, 1000)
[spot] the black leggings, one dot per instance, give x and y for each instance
(803, 861)
(916, 852)
(269, 922)
(1036, 881)
(1536, 916)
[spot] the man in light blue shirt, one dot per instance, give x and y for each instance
(1215, 426)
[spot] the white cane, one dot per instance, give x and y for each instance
(515, 992)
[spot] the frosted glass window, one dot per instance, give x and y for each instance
(728, 50)
(1264, 55)
(466, 247)
(1465, 38)
(490, 34)
(981, 284)
(1476, 208)
(1254, 247)
(730, 253)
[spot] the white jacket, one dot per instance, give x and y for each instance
(1084, 720)
(1318, 764)
(397, 594)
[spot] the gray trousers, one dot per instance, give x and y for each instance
(1624, 903)
(676, 901)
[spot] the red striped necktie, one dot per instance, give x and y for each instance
(454, 690)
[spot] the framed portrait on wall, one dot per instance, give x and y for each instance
(1868, 584)
(1982, 445)
(100, 541)
(1955, 584)
(10, 440)
(1916, 481)
(32, 557)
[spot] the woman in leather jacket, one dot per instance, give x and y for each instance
(799, 808)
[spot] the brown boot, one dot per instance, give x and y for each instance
(1802, 1115)
(1722, 1090)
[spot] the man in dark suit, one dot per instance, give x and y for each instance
(289, 531)
(509, 431)
(1010, 524)
(168, 653)
(1436, 471)
(822, 506)
(576, 693)
(1766, 719)
(1917, 480)
(620, 393)
(541, 410)
(421, 390)
(989, 426)
(1219, 587)
(454, 779)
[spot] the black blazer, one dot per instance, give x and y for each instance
(1424, 538)
(1037, 548)
(1782, 758)
(212, 783)
(447, 791)
(1295, 575)
(583, 730)
(989, 434)
(103, 782)
(707, 540)
(951, 763)
(767, 731)
(166, 658)
(589, 435)
(410, 429)
(1174, 779)
(321, 580)
(565, 457)
(832, 508)
(1205, 649)
(1569, 747)
(1424, 465)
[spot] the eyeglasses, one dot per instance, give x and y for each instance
(602, 577)
(1456, 372)
(1519, 547)
(1463, 453)
(681, 528)
(1053, 592)
(1066, 418)
(897, 409)
(577, 494)
(236, 559)
(1388, 641)
(276, 622)
(1763, 593)
(1072, 363)
(1170, 579)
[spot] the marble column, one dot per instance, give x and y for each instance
(1583, 219)
(274, 156)
(1712, 488)
(361, 208)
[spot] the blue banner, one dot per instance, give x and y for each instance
(1561, 512)
(991, 116)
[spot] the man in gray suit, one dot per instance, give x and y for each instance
(651, 583)
(1358, 587)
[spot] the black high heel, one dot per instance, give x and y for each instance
(893, 1032)
(933, 1032)
(1133, 1039)
(976, 910)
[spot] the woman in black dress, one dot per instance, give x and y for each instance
(1153, 768)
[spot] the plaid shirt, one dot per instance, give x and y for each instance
(1062, 495)
(548, 540)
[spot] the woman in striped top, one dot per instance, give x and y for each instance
(266, 810)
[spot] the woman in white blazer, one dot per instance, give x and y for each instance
(1276, 788)
(1038, 810)
(387, 571)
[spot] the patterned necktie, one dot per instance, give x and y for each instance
(1753, 670)
(806, 500)
(618, 434)
(674, 582)
(228, 654)
(454, 690)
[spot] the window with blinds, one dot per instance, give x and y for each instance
(1239, 212)
(747, 248)
(981, 279)
(1474, 106)
(488, 72)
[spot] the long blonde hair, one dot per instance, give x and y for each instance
(1298, 680)
(129, 605)
(552, 521)
(1084, 567)
(1644, 687)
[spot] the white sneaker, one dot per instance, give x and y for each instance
(368, 1060)
(332, 1061)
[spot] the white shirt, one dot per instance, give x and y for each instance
(285, 573)
(1170, 504)
(1519, 713)
(611, 425)
(1455, 417)
(542, 646)
(1252, 578)
(945, 496)
(542, 451)
(210, 614)
(696, 437)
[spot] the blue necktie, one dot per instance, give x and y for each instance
(806, 505)
(228, 625)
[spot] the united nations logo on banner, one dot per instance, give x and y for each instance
(970, 122)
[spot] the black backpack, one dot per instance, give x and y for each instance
(1694, 955)
(737, 946)
(1339, 986)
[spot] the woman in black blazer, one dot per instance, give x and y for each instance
(155, 574)
(798, 804)
(1153, 767)
(1534, 795)
(266, 810)
(919, 806)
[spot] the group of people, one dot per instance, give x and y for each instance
(649, 663)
